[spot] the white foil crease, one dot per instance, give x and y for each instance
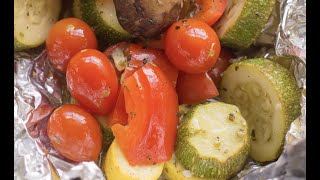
(38, 90)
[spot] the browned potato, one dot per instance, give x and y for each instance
(147, 18)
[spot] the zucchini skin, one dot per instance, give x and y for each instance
(21, 47)
(106, 35)
(249, 24)
(173, 170)
(284, 85)
(281, 79)
(206, 167)
(209, 168)
(52, 18)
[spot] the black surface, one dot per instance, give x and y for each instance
(6, 70)
(313, 91)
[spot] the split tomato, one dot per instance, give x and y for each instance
(152, 106)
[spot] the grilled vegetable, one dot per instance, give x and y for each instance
(32, 21)
(152, 106)
(243, 21)
(192, 46)
(195, 88)
(213, 141)
(210, 11)
(268, 97)
(173, 170)
(92, 81)
(147, 17)
(66, 38)
(101, 16)
(74, 133)
(117, 167)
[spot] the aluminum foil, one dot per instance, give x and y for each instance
(38, 89)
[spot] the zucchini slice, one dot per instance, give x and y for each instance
(268, 97)
(213, 141)
(32, 21)
(173, 170)
(101, 16)
(117, 167)
(242, 22)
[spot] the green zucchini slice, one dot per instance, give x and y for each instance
(268, 97)
(213, 141)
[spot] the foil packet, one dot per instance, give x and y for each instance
(38, 90)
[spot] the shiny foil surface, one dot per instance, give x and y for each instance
(38, 90)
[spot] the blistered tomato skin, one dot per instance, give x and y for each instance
(74, 133)
(66, 38)
(192, 46)
(92, 81)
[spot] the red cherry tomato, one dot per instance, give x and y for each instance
(109, 53)
(210, 10)
(74, 133)
(192, 46)
(140, 56)
(92, 81)
(152, 105)
(195, 88)
(66, 38)
(137, 56)
(221, 65)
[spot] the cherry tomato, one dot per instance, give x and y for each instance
(109, 52)
(140, 56)
(66, 38)
(74, 133)
(195, 88)
(92, 81)
(221, 65)
(192, 46)
(210, 10)
(152, 106)
(136, 56)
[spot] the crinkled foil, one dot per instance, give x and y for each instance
(38, 89)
